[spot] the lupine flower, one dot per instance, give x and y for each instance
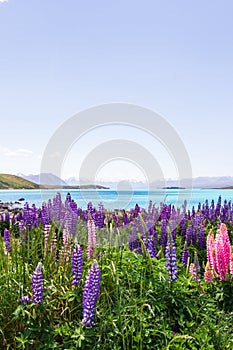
(90, 294)
(25, 299)
(44, 215)
(222, 259)
(231, 264)
(194, 269)
(37, 284)
(185, 255)
(170, 254)
(7, 240)
(91, 238)
(201, 238)
(53, 246)
(189, 233)
(208, 274)
(163, 239)
(47, 229)
(77, 264)
(211, 250)
(65, 252)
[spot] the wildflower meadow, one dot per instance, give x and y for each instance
(148, 278)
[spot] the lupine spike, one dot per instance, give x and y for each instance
(91, 237)
(170, 254)
(37, 284)
(7, 240)
(90, 294)
(77, 264)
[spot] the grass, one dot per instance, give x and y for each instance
(8, 181)
(137, 307)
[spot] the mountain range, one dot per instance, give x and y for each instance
(198, 182)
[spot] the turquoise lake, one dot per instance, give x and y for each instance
(113, 199)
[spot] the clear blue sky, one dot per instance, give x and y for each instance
(60, 57)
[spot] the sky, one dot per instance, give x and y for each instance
(58, 58)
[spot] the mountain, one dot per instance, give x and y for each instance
(8, 181)
(198, 182)
(44, 179)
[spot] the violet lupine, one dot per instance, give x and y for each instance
(77, 264)
(152, 237)
(189, 233)
(7, 240)
(44, 215)
(37, 284)
(170, 254)
(91, 237)
(25, 299)
(185, 255)
(163, 238)
(201, 238)
(90, 294)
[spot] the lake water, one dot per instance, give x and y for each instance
(113, 199)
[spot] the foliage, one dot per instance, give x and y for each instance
(138, 306)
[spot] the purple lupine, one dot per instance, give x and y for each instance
(37, 284)
(170, 254)
(45, 214)
(189, 232)
(77, 264)
(90, 294)
(7, 240)
(100, 216)
(163, 238)
(172, 225)
(152, 237)
(201, 238)
(185, 255)
(25, 299)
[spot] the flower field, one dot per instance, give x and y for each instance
(147, 278)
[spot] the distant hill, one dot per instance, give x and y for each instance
(44, 179)
(8, 181)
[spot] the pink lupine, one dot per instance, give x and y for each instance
(208, 274)
(211, 250)
(193, 271)
(220, 257)
(65, 252)
(91, 237)
(47, 229)
(53, 246)
(226, 244)
(231, 264)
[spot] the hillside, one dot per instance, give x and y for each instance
(12, 181)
